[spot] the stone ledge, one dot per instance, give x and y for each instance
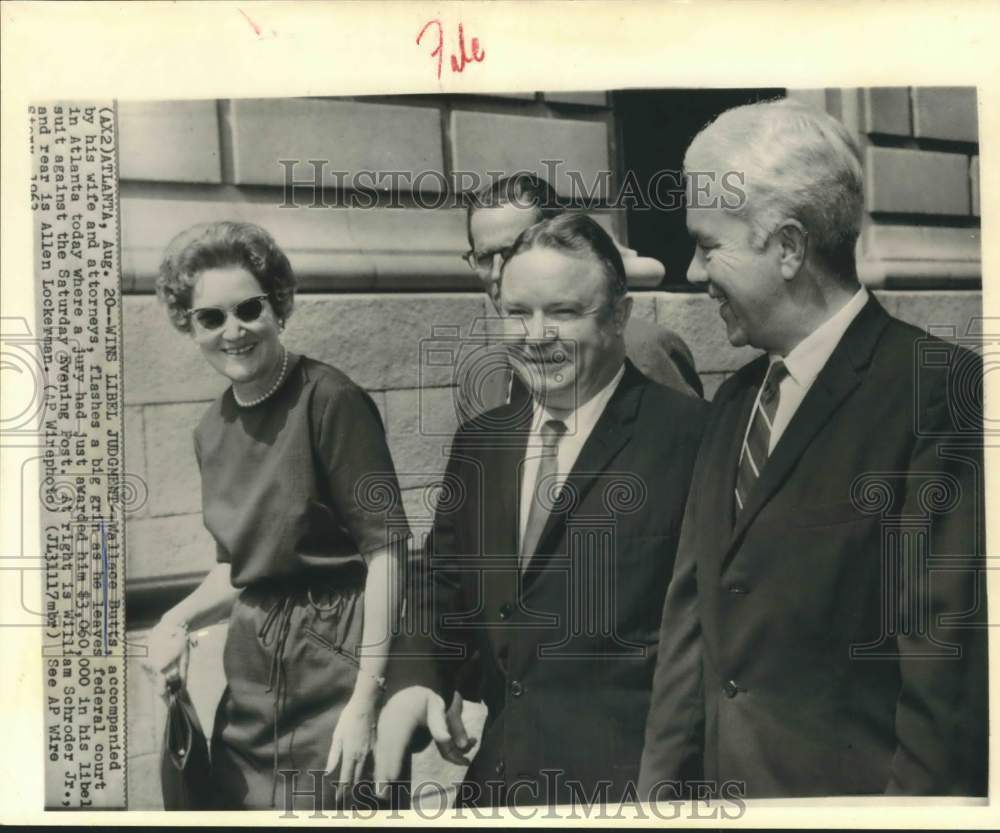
(343, 248)
(355, 249)
(974, 184)
(920, 243)
(901, 256)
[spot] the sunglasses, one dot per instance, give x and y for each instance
(213, 318)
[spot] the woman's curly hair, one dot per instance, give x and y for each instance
(215, 246)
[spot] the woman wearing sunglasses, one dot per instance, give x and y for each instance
(300, 495)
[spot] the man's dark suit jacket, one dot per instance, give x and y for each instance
(808, 646)
(567, 662)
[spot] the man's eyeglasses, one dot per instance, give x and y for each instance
(487, 262)
(214, 318)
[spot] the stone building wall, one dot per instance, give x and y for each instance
(374, 282)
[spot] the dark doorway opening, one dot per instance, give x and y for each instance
(654, 129)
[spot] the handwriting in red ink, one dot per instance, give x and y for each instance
(459, 61)
(257, 29)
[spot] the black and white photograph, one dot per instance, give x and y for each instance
(617, 452)
(719, 589)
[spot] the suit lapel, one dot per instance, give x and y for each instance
(501, 450)
(611, 432)
(723, 456)
(838, 378)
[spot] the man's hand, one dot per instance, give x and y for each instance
(402, 715)
(458, 742)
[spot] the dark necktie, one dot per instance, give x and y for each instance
(551, 432)
(754, 453)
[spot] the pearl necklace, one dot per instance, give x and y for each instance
(277, 383)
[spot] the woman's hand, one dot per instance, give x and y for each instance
(167, 646)
(352, 741)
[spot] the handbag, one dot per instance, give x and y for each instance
(185, 768)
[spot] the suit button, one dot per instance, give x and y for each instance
(738, 588)
(731, 689)
(506, 610)
(499, 768)
(516, 689)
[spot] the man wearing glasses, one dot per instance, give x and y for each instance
(553, 553)
(496, 216)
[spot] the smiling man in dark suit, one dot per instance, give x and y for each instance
(554, 543)
(496, 215)
(824, 630)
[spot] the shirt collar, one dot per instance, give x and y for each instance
(584, 417)
(809, 356)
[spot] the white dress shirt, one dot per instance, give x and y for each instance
(579, 425)
(805, 362)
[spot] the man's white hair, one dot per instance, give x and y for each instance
(796, 163)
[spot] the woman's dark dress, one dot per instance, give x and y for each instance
(293, 491)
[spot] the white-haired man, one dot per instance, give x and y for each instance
(824, 631)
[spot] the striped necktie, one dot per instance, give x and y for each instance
(541, 500)
(754, 453)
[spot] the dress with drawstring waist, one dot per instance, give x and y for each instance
(294, 491)
(291, 664)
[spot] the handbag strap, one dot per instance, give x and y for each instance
(179, 736)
